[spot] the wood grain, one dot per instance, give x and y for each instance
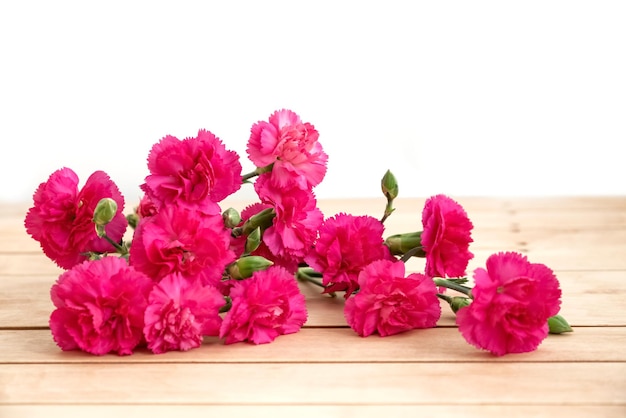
(326, 369)
(319, 383)
(334, 345)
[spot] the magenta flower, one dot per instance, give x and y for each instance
(194, 172)
(100, 307)
(512, 301)
(292, 146)
(388, 303)
(294, 228)
(346, 244)
(180, 312)
(179, 240)
(146, 207)
(446, 237)
(264, 306)
(61, 218)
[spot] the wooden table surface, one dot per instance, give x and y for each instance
(326, 370)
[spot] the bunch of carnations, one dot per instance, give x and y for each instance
(192, 269)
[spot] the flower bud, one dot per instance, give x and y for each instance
(105, 211)
(400, 244)
(389, 186)
(133, 220)
(458, 302)
(558, 325)
(246, 266)
(231, 218)
(253, 241)
(103, 214)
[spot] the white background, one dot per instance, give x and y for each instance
(466, 98)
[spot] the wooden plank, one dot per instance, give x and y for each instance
(334, 345)
(313, 411)
(589, 299)
(317, 384)
(26, 264)
(503, 215)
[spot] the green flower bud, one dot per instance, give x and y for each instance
(458, 302)
(400, 244)
(389, 186)
(231, 218)
(246, 266)
(103, 214)
(558, 325)
(105, 211)
(133, 220)
(253, 241)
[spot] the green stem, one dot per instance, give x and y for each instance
(411, 253)
(248, 176)
(454, 286)
(120, 248)
(307, 274)
(444, 297)
(388, 211)
(258, 171)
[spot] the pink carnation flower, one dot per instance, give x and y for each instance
(194, 172)
(294, 228)
(146, 207)
(100, 307)
(446, 237)
(389, 303)
(264, 306)
(61, 219)
(180, 312)
(179, 240)
(292, 146)
(346, 244)
(512, 301)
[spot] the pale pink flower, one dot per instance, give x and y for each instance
(100, 307)
(446, 237)
(61, 219)
(180, 312)
(294, 228)
(388, 303)
(179, 240)
(346, 244)
(292, 146)
(194, 172)
(512, 301)
(264, 306)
